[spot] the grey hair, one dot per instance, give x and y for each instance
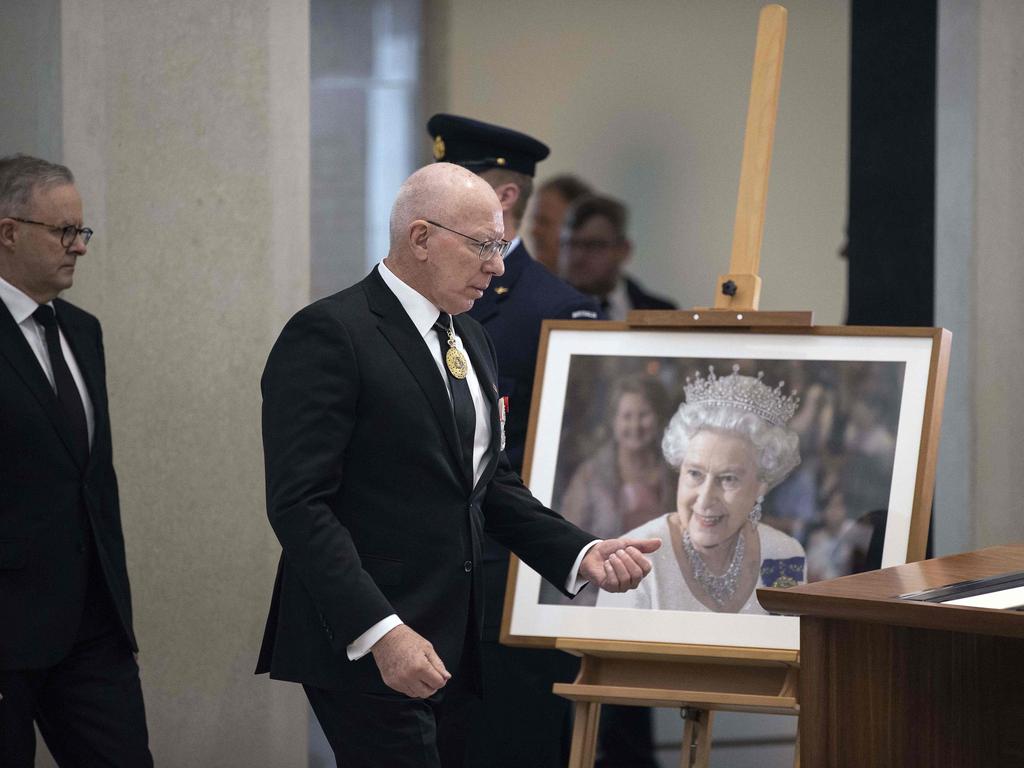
(21, 175)
(777, 448)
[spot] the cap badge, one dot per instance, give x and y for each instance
(438, 148)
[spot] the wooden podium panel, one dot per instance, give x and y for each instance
(887, 682)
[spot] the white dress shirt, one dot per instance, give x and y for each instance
(21, 306)
(424, 314)
(618, 302)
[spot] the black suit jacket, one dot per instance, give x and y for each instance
(366, 494)
(56, 515)
(641, 299)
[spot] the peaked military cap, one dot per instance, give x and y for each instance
(478, 146)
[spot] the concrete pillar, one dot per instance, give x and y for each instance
(187, 124)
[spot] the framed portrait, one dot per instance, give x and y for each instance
(759, 456)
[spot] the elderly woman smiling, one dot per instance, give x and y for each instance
(731, 445)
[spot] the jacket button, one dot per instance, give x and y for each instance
(467, 566)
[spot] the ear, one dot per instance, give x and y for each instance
(8, 227)
(419, 236)
(508, 195)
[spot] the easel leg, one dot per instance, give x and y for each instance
(584, 734)
(696, 751)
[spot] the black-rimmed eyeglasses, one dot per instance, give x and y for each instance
(488, 248)
(68, 234)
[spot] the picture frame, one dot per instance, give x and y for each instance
(877, 393)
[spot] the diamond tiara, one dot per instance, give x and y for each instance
(743, 392)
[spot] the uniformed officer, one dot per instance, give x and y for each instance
(521, 722)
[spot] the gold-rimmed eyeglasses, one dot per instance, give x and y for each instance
(488, 248)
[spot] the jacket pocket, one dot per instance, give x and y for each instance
(384, 570)
(13, 553)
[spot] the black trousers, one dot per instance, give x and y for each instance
(88, 707)
(521, 722)
(368, 730)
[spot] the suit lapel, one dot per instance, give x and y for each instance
(83, 346)
(19, 354)
(400, 332)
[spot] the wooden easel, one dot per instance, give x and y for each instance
(703, 679)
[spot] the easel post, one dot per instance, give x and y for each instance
(699, 678)
(696, 746)
(741, 288)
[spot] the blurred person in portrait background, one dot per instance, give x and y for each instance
(626, 482)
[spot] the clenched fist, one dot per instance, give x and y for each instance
(408, 664)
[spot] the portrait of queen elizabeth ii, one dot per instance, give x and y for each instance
(730, 443)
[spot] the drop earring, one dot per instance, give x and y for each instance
(755, 513)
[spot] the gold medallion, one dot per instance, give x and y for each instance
(438, 148)
(456, 362)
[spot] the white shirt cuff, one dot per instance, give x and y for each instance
(574, 583)
(362, 644)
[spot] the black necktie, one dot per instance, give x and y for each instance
(462, 401)
(67, 391)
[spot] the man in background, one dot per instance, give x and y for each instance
(521, 722)
(596, 249)
(554, 198)
(66, 641)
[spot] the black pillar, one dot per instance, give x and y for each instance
(891, 238)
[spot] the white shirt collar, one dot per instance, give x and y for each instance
(19, 304)
(420, 309)
(514, 244)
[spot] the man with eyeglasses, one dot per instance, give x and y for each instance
(67, 648)
(522, 721)
(595, 250)
(384, 467)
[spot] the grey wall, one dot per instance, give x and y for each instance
(997, 365)
(30, 58)
(955, 159)
(648, 101)
(979, 271)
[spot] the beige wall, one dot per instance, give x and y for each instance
(648, 101)
(187, 125)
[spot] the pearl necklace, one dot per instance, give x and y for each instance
(720, 588)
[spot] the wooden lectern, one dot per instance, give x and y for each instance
(887, 682)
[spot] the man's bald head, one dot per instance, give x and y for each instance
(440, 192)
(442, 215)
